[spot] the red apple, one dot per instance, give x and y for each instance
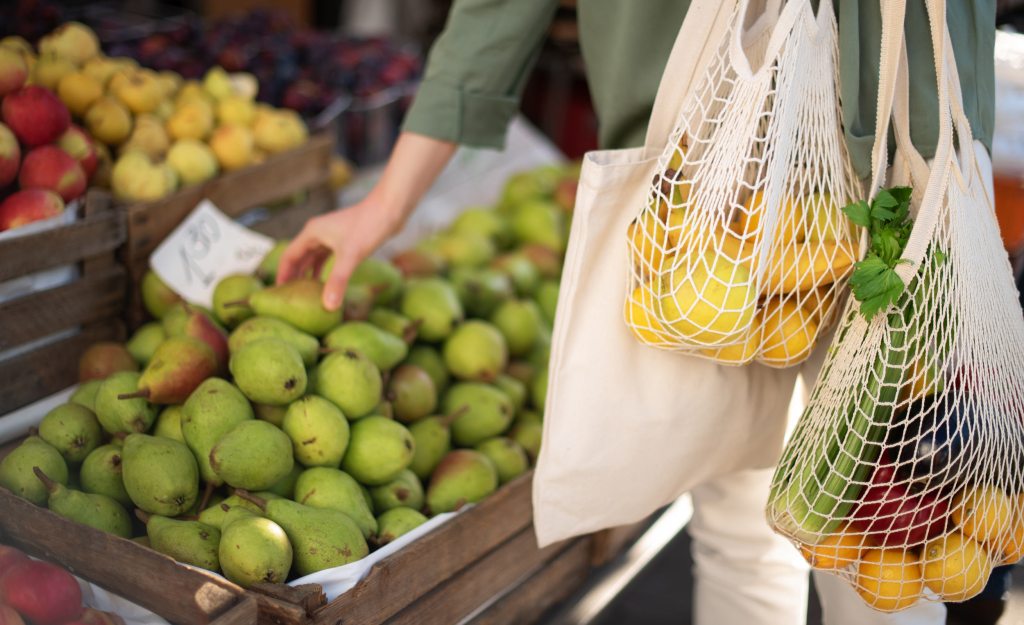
(9, 557)
(44, 593)
(10, 156)
(49, 167)
(13, 70)
(8, 616)
(894, 516)
(80, 145)
(28, 205)
(35, 115)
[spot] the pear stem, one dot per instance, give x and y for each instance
(238, 303)
(141, 393)
(449, 419)
(412, 331)
(143, 516)
(45, 479)
(327, 350)
(246, 495)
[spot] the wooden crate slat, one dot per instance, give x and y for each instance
(472, 587)
(81, 302)
(87, 237)
(48, 369)
(540, 590)
(287, 223)
(242, 613)
(417, 569)
(141, 575)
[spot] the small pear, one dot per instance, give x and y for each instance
(539, 389)
(318, 430)
(433, 440)
(190, 542)
(298, 303)
(547, 299)
(178, 366)
(514, 388)
(359, 301)
(258, 328)
(274, 414)
(405, 490)
(143, 343)
(72, 430)
(430, 360)
(323, 487)
(254, 455)
(255, 550)
(476, 350)
(465, 249)
(101, 474)
(200, 326)
(436, 303)
(118, 415)
(395, 323)
(104, 358)
(85, 394)
(520, 270)
(489, 412)
(231, 289)
(379, 449)
(16, 469)
(486, 222)
(481, 289)
(351, 381)
(160, 474)
(210, 412)
(269, 371)
(321, 538)
(374, 271)
(267, 270)
(412, 393)
(464, 476)
(527, 431)
(520, 323)
(168, 423)
(508, 456)
(157, 297)
(397, 522)
(285, 487)
(383, 349)
(97, 511)
(419, 263)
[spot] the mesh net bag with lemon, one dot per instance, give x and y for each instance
(905, 474)
(741, 252)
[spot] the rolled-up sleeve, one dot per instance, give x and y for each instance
(477, 70)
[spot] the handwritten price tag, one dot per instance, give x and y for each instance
(206, 247)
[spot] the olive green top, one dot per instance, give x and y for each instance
(478, 67)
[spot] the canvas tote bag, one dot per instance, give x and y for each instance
(628, 428)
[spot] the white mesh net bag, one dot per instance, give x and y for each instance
(906, 471)
(741, 251)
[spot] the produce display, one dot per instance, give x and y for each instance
(40, 593)
(269, 438)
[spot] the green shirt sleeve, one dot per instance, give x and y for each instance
(477, 70)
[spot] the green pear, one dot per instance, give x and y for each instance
(547, 299)
(255, 550)
(96, 511)
(230, 290)
(275, 414)
(546, 259)
(379, 449)
(430, 360)
(476, 350)
(216, 514)
(419, 263)
(520, 270)
(269, 371)
(267, 269)
(85, 394)
(537, 183)
(508, 456)
(514, 388)
(488, 412)
(539, 389)
(486, 222)
(177, 318)
(464, 476)
(540, 222)
(520, 323)
(143, 343)
(258, 328)
(168, 422)
(541, 352)
(179, 365)
(383, 349)
(298, 303)
(394, 323)
(376, 272)
(405, 490)
(435, 303)
(72, 430)
(465, 249)
(359, 301)
(160, 474)
(237, 513)
(321, 538)
(527, 431)
(157, 297)
(323, 487)
(101, 474)
(285, 487)
(481, 289)
(351, 381)
(254, 455)
(396, 522)
(190, 542)
(210, 412)
(318, 430)
(17, 476)
(412, 393)
(123, 415)
(432, 440)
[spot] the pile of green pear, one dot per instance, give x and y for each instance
(269, 438)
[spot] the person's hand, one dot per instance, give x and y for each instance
(350, 234)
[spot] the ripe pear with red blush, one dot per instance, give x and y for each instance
(201, 327)
(10, 156)
(13, 70)
(179, 365)
(28, 205)
(36, 115)
(81, 147)
(44, 593)
(104, 358)
(50, 167)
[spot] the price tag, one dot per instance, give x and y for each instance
(206, 247)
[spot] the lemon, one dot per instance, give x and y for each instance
(709, 300)
(790, 228)
(983, 513)
(889, 579)
(648, 241)
(819, 302)
(806, 266)
(956, 567)
(738, 353)
(789, 332)
(1011, 548)
(823, 220)
(637, 314)
(836, 551)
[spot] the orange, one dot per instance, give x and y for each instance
(789, 332)
(836, 551)
(889, 579)
(984, 513)
(1010, 549)
(956, 567)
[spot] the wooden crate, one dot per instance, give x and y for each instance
(88, 307)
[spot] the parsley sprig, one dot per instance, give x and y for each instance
(875, 283)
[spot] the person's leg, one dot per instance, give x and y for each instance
(744, 573)
(841, 605)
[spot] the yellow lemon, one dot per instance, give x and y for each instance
(806, 266)
(648, 242)
(836, 551)
(709, 300)
(889, 579)
(956, 567)
(984, 513)
(747, 222)
(1011, 548)
(823, 219)
(639, 317)
(819, 302)
(738, 353)
(789, 332)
